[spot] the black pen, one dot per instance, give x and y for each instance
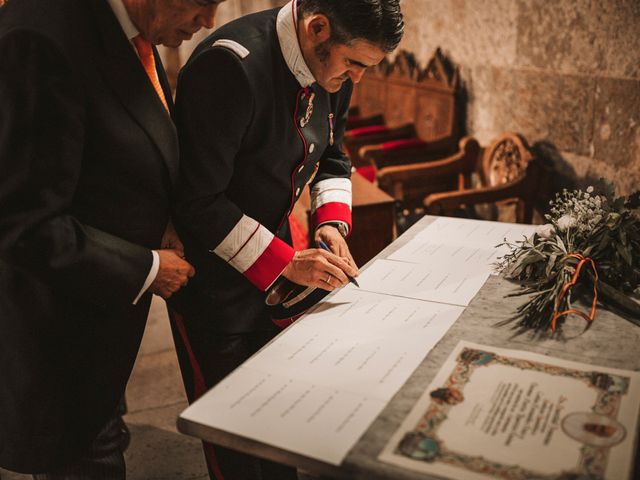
(324, 246)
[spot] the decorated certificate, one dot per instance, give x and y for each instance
(496, 413)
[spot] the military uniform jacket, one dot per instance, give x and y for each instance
(88, 155)
(250, 141)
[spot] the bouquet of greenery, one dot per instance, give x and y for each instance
(592, 242)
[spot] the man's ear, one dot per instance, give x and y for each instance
(318, 28)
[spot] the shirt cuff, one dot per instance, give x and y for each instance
(153, 272)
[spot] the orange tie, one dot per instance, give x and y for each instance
(145, 52)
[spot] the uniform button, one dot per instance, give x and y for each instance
(297, 191)
(312, 147)
(301, 168)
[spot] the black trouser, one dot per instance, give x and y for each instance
(205, 358)
(103, 461)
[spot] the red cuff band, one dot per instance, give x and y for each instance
(270, 264)
(333, 212)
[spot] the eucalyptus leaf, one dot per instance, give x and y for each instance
(561, 244)
(624, 253)
(550, 264)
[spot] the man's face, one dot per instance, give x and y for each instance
(332, 63)
(335, 63)
(170, 22)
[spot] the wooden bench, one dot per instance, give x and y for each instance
(411, 107)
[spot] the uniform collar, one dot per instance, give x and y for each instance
(124, 20)
(286, 26)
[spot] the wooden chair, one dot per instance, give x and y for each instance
(510, 175)
(418, 107)
(356, 120)
(355, 140)
(409, 182)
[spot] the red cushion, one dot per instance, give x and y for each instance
(368, 172)
(362, 131)
(404, 143)
(299, 235)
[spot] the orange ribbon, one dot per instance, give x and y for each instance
(589, 318)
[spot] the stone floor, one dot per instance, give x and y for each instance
(155, 397)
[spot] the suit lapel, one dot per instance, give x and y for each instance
(126, 76)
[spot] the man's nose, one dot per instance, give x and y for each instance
(356, 75)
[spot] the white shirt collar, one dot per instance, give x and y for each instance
(122, 15)
(286, 26)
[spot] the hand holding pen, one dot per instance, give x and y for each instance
(324, 246)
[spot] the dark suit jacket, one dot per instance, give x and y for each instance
(87, 159)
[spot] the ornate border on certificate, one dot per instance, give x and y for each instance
(596, 431)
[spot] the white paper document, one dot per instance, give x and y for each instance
(316, 389)
(359, 341)
(461, 243)
(294, 414)
(436, 282)
(496, 413)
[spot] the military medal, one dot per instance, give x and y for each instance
(331, 129)
(307, 116)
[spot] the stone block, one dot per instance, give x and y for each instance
(491, 100)
(470, 32)
(539, 105)
(584, 37)
(616, 137)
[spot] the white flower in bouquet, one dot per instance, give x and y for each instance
(546, 231)
(580, 211)
(565, 222)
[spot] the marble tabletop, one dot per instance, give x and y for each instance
(611, 341)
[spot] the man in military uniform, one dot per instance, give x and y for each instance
(261, 110)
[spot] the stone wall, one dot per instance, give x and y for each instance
(565, 74)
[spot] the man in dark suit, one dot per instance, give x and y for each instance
(88, 155)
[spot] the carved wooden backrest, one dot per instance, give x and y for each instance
(404, 93)
(505, 160)
(370, 94)
(437, 86)
(400, 101)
